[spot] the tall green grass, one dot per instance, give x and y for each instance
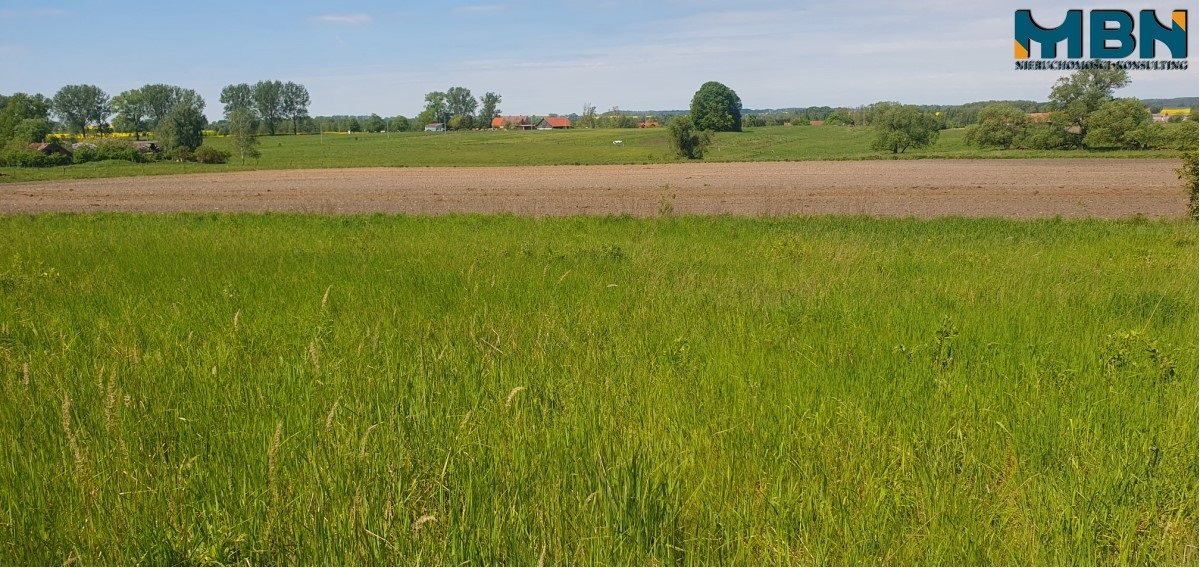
(204, 389)
(485, 148)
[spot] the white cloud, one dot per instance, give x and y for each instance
(348, 19)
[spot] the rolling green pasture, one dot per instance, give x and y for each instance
(201, 389)
(485, 148)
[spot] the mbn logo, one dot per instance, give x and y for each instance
(1110, 35)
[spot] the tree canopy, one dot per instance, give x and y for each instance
(717, 108)
(77, 106)
(900, 127)
(999, 126)
(1076, 96)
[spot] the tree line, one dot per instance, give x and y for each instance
(1082, 113)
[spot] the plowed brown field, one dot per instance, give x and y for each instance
(919, 188)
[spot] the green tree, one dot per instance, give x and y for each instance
(999, 126)
(489, 105)
(77, 106)
(1075, 97)
(900, 127)
(1116, 124)
(237, 96)
(435, 108)
(182, 129)
(268, 102)
(461, 105)
(686, 139)
(131, 113)
(294, 101)
(159, 100)
(32, 130)
(375, 123)
(399, 124)
(717, 108)
(588, 118)
(243, 127)
(18, 108)
(354, 125)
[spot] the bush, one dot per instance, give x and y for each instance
(107, 150)
(1188, 173)
(22, 158)
(686, 140)
(1044, 136)
(210, 155)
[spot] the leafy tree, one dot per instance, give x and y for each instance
(1118, 123)
(243, 127)
(77, 106)
(1044, 136)
(160, 100)
(132, 113)
(460, 104)
(717, 108)
(400, 124)
(268, 101)
(488, 108)
(839, 117)
(900, 127)
(354, 125)
(237, 96)
(18, 108)
(588, 118)
(32, 130)
(686, 139)
(435, 108)
(294, 104)
(375, 123)
(999, 126)
(182, 129)
(1075, 97)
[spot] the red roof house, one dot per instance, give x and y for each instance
(554, 123)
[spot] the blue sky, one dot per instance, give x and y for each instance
(360, 57)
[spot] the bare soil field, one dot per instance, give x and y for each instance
(919, 188)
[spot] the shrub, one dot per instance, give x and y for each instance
(1188, 173)
(107, 150)
(1044, 136)
(210, 155)
(22, 158)
(686, 139)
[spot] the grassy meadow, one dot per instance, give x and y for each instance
(502, 390)
(486, 148)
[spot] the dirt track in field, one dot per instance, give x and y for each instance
(918, 188)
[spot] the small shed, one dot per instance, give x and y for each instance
(435, 127)
(554, 123)
(48, 148)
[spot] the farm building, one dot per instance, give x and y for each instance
(1166, 114)
(554, 123)
(435, 127)
(1039, 117)
(648, 124)
(816, 123)
(48, 148)
(146, 146)
(515, 122)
